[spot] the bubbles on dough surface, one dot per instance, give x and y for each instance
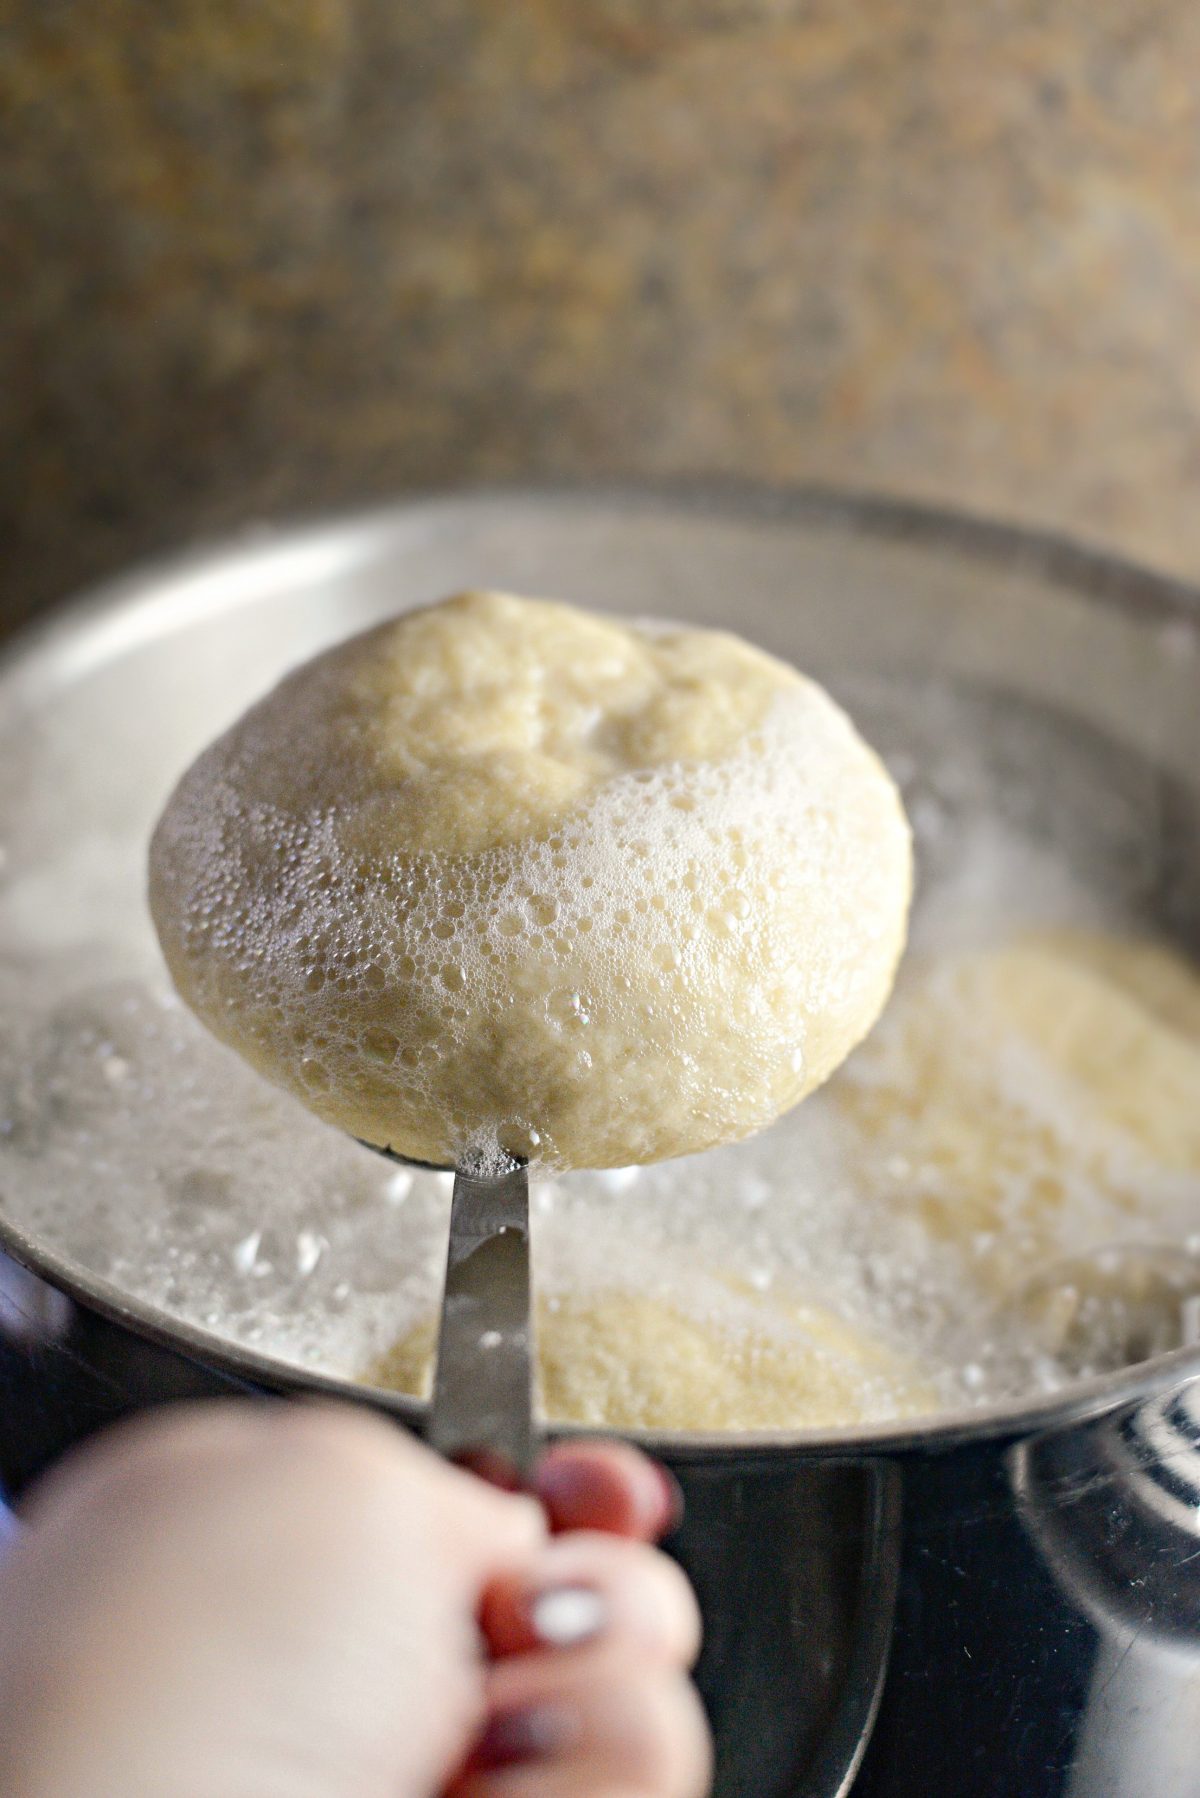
(505, 872)
(139, 1149)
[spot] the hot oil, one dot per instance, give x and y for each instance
(134, 1145)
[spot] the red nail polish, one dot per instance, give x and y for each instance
(643, 1500)
(486, 1465)
(533, 1734)
(564, 1482)
(670, 1498)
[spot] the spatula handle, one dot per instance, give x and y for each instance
(483, 1381)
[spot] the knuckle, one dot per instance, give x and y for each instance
(333, 1433)
(320, 1453)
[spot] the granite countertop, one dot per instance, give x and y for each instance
(266, 260)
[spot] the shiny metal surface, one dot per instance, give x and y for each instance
(1008, 1595)
(483, 1379)
(482, 1399)
(1114, 1510)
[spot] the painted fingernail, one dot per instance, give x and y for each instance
(565, 1616)
(672, 1498)
(581, 1492)
(491, 1467)
(559, 1479)
(532, 1734)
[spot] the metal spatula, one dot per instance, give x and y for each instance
(483, 1379)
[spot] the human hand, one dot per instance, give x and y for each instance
(286, 1601)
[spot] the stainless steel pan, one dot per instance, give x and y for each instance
(1001, 1602)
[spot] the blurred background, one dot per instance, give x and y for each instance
(261, 259)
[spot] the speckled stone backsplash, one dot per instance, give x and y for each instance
(266, 258)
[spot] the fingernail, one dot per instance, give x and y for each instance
(646, 1499)
(533, 1734)
(562, 1481)
(670, 1498)
(564, 1616)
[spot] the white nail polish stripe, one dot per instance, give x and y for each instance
(567, 1615)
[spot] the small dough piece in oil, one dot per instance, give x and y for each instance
(502, 873)
(628, 1360)
(1033, 1101)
